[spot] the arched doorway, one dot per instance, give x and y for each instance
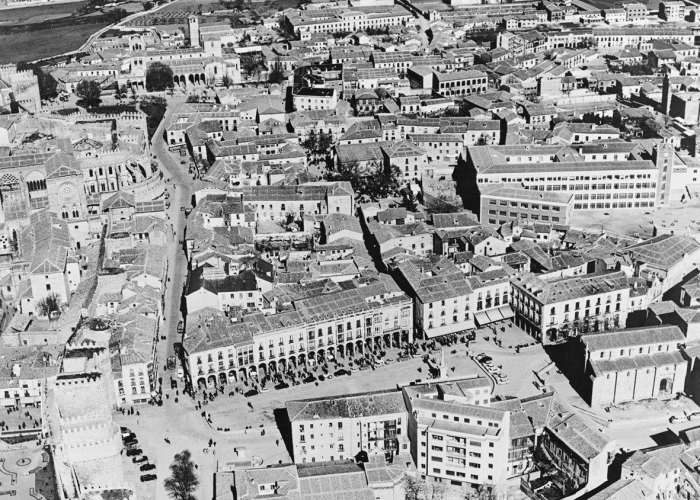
(350, 350)
(232, 375)
(665, 385)
(222, 379)
(201, 383)
(242, 374)
(292, 362)
(211, 381)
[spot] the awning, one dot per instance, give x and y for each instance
(481, 318)
(494, 315)
(506, 312)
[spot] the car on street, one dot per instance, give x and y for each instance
(264, 390)
(281, 385)
(131, 446)
(148, 477)
(309, 379)
(251, 393)
(694, 416)
(342, 371)
(172, 362)
(138, 460)
(126, 432)
(133, 453)
(180, 373)
(173, 384)
(147, 467)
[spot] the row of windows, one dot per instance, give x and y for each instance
(598, 206)
(535, 206)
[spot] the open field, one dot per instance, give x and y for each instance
(41, 44)
(39, 13)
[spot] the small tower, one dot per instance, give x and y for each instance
(666, 95)
(663, 156)
(194, 31)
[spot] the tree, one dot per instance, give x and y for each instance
(154, 107)
(183, 480)
(192, 98)
(116, 15)
(412, 487)
(437, 491)
(89, 92)
(276, 74)
(250, 64)
(48, 304)
(159, 77)
(47, 83)
(148, 6)
(651, 127)
(227, 81)
(410, 202)
(325, 142)
(311, 142)
(483, 492)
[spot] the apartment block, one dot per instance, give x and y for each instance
(552, 310)
(454, 440)
(339, 428)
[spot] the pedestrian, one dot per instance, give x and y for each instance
(278, 442)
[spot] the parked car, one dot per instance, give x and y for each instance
(133, 453)
(281, 385)
(309, 379)
(138, 460)
(694, 416)
(131, 446)
(148, 477)
(146, 467)
(126, 431)
(180, 373)
(251, 393)
(342, 371)
(264, 390)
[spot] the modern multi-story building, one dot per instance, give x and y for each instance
(454, 439)
(342, 427)
(672, 11)
(601, 175)
(551, 310)
(314, 330)
(501, 203)
(633, 364)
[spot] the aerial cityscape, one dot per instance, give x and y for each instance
(349, 249)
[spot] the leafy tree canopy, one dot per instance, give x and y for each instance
(183, 480)
(89, 92)
(159, 77)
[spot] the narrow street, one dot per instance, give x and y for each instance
(178, 185)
